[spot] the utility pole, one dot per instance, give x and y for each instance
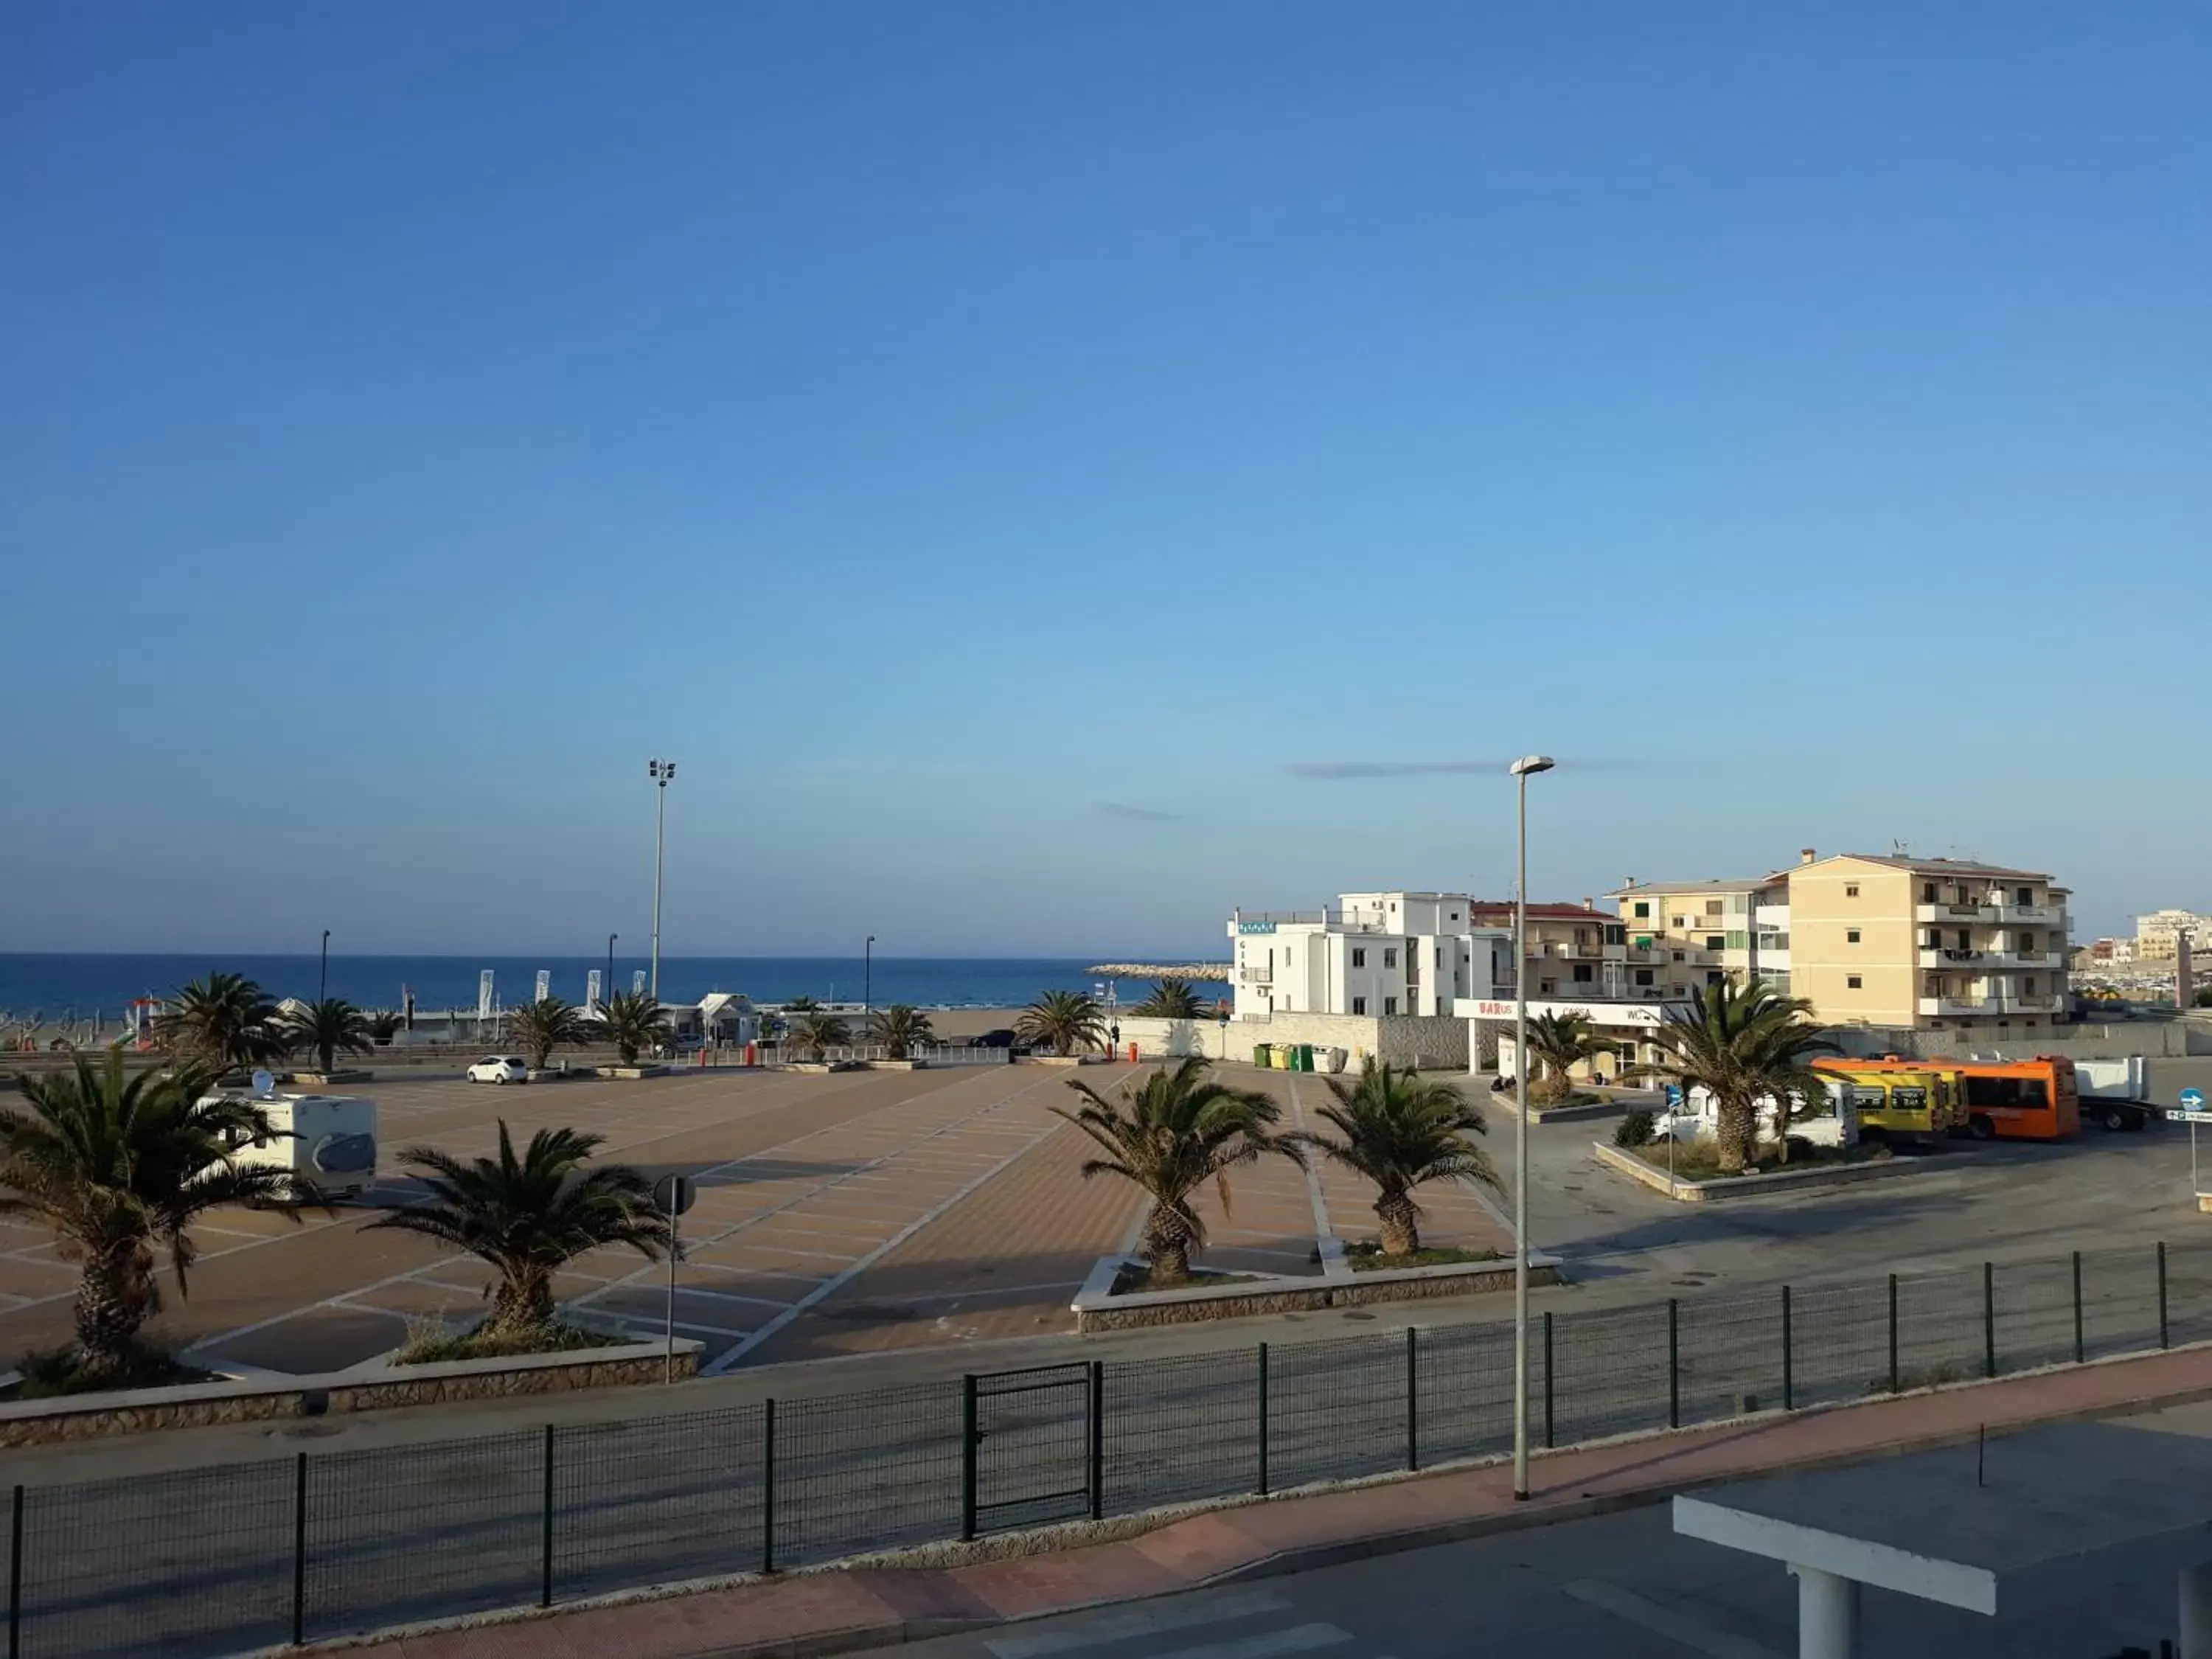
(663, 773)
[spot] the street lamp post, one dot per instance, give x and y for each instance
(323, 977)
(1522, 769)
(868, 976)
(663, 773)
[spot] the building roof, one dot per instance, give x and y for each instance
(1943, 867)
(1487, 908)
(1752, 886)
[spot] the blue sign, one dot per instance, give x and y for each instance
(1674, 1094)
(1255, 927)
(2192, 1100)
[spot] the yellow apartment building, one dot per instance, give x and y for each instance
(1872, 939)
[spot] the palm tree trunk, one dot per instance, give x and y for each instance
(1739, 1124)
(1402, 1227)
(1167, 1246)
(111, 1305)
(524, 1300)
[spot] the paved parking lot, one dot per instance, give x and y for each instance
(838, 1214)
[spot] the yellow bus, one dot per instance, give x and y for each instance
(1894, 1101)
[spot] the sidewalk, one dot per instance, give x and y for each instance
(845, 1611)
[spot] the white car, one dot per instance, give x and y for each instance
(499, 1069)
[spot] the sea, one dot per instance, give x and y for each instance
(76, 988)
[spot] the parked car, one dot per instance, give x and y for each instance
(1001, 1038)
(499, 1069)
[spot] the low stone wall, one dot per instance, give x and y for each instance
(1097, 1309)
(198, 1404)
(1434, 1042)
(1757, 1186)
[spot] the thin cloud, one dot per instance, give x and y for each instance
(1125, 813)
(1348, 771)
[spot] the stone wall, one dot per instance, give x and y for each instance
(1433, 1043)
(197, 1405)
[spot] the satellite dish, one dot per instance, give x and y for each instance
(263, 1084)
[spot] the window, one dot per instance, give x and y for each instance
(1851, 936)
(1545, 987)
(1390, 955)
(1644, 976)
(1455, 916)
(1359, 1004)
(1717, 941)
(2024, 894)
(2027, 985)
(1584, 972)
(1440, 956)
(1933, 941)
(1850, 890)
(1681, 921)
(1287, 955)
(1713, 976)
(1359, 959)
(2027, 938)
(1712, 906)
(1855, 983)
(1681, 956)
(1643, 909)
(1616, 933)
(1389, 1005)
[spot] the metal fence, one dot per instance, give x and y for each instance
(219, 1560)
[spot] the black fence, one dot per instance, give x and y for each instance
(219, 1560)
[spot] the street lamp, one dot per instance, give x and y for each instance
(1522, 769)
(663, 773)
(323, 977)
(607, 991)
(867, 975)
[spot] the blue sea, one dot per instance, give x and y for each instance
(80, 986)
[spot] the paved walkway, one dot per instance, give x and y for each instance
(840, 1612)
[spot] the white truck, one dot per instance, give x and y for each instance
(1835, 1123)
(329, 1140)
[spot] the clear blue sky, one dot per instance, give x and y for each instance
(996, 446)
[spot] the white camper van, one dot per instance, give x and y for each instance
(328, 1140)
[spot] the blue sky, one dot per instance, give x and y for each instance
(996, 447)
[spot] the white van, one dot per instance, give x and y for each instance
(330, 1140)
(1836, 1124)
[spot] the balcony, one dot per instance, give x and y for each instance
(1957, 1008)
(2030, 915)
(2044, 1004)
(1955, 913)
(1256, 972)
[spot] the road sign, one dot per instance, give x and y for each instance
(2192, 1100)
(1674, 1094)
(2190, 1114)
(674, 1194)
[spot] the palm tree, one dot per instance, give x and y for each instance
(800, 1005)
(1559, 1043)
(222, 1021)
(1171, 999)
(120, 1165)
(1401, 1130)
(900, 1029)
(819, 1031)
(1743, 1044)
(528, 1217)
(1170, 1136)
(1062, 1021)
(384, 1024)
(632, 1020)
(542, 1026)
(325, 1028)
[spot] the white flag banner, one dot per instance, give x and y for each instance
(637, 983)
(545, 983)
(592, 989)
(483, 994)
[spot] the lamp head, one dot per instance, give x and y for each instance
(1528, 763)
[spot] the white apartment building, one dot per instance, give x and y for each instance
(2158, 934)
(1374, 956)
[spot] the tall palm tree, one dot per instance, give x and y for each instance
(632, 1021)
(121, 1165)
(1559, 1043)
(1402, 1131)
(384, 1024)
(820, 1032)
(326, 1027)
(1170, 1136)
(529, 1216)
(1062, 1021)
(1743, 1043)
(224, 1020)
(1170, 998)
(900, 1029)
(542, 1026)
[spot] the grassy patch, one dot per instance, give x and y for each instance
(1365, 1256)
(52, 1373)
(1135, 1278)
(430, 1341)
(1572, 1097)
(1700, 1160)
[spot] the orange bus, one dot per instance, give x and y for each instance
(2037, 1099)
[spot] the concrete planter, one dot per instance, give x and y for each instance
(563, 1074)
(365, 1387)
(1755, 1186)
(824, 1067)
(631, 1073)
(332, 1079)
(1097, 1309)
(1065, 1060)
(898, 1065)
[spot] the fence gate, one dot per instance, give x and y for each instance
(1031, 1447)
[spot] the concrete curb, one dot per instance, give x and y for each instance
(1758, 1186)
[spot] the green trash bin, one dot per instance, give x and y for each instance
(1262, 1054)
(1303, 1062)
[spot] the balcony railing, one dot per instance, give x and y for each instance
(1256, 972)
(1937, 1007)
